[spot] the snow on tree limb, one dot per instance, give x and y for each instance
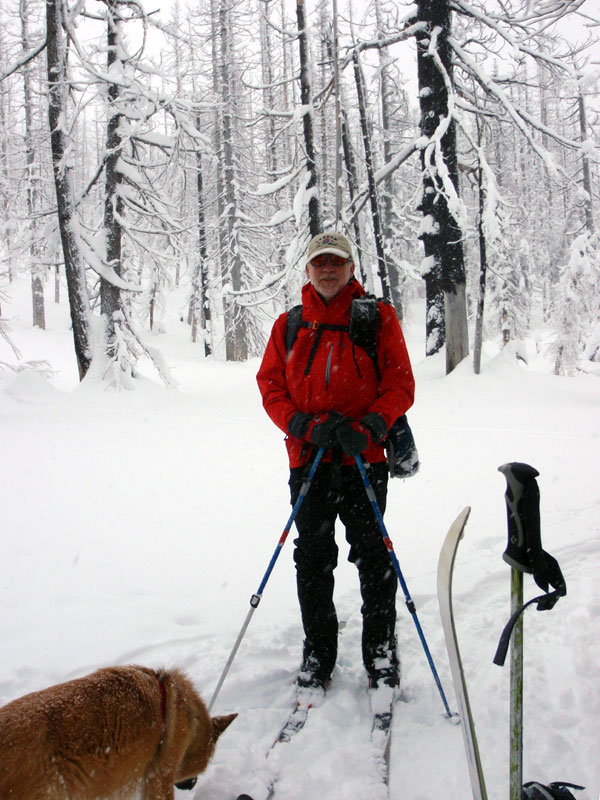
(492, 88)
(386, 41)
(89, 251)
(382, 174)
(502, 25)
(265, 189)
(23, 60)
(434, 160)
(490, 223)
(4, 334)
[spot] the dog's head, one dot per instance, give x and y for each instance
(200, 749)
(219, 724)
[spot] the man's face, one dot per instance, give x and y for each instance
(329, 274)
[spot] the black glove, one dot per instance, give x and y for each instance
(319, 430)
(355, 437)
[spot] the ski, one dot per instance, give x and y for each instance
(444, 587)
(381, 735)
(294, 723)
(381, 738)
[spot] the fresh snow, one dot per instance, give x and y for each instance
(136, 526)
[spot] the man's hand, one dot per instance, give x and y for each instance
(319, 430)
(355, 437)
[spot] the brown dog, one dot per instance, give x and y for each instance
(119, 732)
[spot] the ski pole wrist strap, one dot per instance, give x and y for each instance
(545, 603)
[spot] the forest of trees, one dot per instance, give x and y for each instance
(195, 150)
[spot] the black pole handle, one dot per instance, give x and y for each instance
(522, 498)
(524, 550)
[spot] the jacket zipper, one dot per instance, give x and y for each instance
(328, 366)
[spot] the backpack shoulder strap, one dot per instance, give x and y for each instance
(294, 322)
(292, 325)
(364, 322)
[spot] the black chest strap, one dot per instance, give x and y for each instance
(362, 330)
(319, 327)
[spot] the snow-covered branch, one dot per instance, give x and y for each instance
(523, 120)
(504, 27)
(23, 60)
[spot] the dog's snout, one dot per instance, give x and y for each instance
(189, 783)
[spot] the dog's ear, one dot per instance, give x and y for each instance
(219, 724)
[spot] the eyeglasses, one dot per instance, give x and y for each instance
(323, 258)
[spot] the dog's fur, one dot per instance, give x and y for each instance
(117, 733)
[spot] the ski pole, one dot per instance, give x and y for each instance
(256, 598)
(518, 478)
(409, 602)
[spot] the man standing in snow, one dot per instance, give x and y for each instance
(324, 390)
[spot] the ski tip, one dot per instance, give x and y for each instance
(463, 516)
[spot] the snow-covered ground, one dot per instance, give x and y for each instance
(136, 526)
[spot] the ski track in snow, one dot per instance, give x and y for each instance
(136, 526)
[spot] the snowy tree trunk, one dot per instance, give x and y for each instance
(370, 168)
(236, 345)
(200, 304)
(37, 285)
(266, 53)
(586, 169)
(275, 153)
(326, 122)
(478, 339)
(387, 205)
(57, 115)
(5, 117)
(443, 270)
(338, 188)
(352, 180)
(314, 210)
(433, 104)
(113, 204)
(218, 146)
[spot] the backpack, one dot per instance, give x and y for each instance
(401, 451)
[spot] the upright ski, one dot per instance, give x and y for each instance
(444, 585)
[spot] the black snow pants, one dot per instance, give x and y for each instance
(338, 491)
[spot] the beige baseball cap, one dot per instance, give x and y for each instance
(329, 242)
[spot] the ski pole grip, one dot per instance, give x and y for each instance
(521, 486)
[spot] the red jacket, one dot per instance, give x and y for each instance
(342, 376)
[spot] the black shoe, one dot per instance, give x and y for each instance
(312, 675)
(384, 678)
(305, 681)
